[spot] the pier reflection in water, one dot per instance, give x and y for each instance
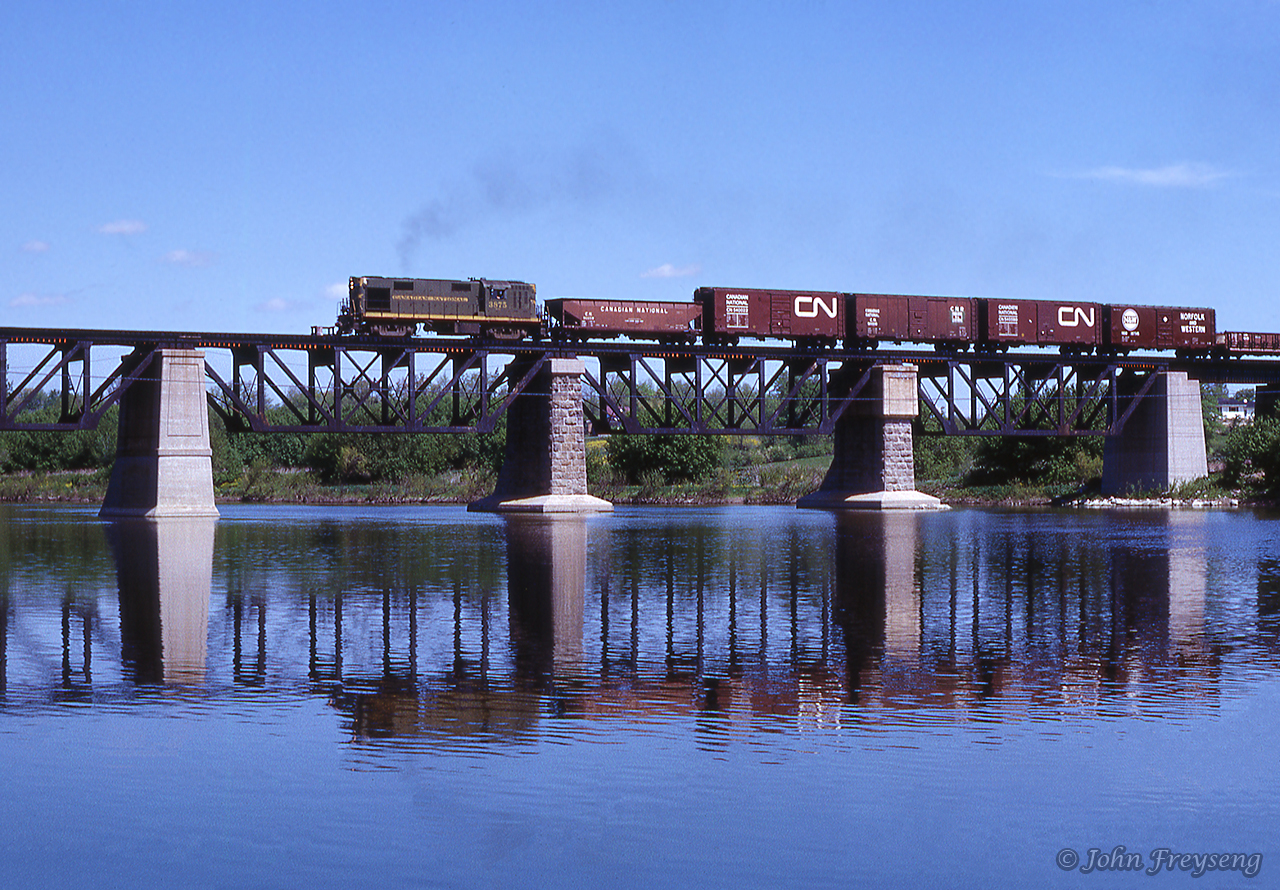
(734, 691)
(804, 621)
(546, 580)
(400, 623)
(1016, 606)
(164, 568)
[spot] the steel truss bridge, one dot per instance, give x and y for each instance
(303, 383)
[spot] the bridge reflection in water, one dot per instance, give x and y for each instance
(726, 617)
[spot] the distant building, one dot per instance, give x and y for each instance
(1234, 411)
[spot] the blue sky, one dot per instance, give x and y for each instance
(227, 166)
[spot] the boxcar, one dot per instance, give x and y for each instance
(730, 313)
(396, 306)
(643, 319)
(1040, 323)
(1160, 327)
(877, 317)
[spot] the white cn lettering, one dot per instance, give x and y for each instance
(811, 305)
(1073, 316)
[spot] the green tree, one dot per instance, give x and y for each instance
(1215, 430)
(1251, 456)
(944, 457)
(677, 458)
(1047, 460)
(52, 451)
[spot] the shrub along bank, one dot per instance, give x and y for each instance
(457, 468)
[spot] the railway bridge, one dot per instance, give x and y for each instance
(552, 395)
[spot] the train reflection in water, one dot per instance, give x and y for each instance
(448, 623)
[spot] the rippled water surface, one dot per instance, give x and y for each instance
(733, 698)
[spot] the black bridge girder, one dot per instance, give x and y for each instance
(305, 383)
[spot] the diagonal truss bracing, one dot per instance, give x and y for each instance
(287, 383)
(63, 371)
(1046, 396)
(380, 389)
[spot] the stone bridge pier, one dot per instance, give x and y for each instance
(164, 466)
(873, 466)
(1162, 443)
(544, 468)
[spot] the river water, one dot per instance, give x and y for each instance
(739, 697)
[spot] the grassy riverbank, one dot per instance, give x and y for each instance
(778, 483)
(342, 468)
(70, 487)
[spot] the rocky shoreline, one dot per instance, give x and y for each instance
(86, 489)
(1224, 503)
(337, 499)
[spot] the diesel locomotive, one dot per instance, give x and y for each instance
(397, 307)
(393, 307)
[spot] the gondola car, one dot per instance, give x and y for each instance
(1247, 343)
(578, 319)
(396, 307)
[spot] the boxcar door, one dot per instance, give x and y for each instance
(1166, 325)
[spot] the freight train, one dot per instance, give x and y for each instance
(867, 320)
(392, 307)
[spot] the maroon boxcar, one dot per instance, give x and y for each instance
(1160, 327)
(636, 318)
(1041, 323)
(918, 319)
(1248, 343)
(733, 312)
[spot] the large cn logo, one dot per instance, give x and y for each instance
(807, 307)
(1074, 316)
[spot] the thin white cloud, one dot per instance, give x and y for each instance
(192, 259)
(35, 246)
(275, 305)
(666, 270)
(278, 304)
(1171, 176)
(123, 227)
(29, 300)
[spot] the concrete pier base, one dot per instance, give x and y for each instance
(873, 467)
(1162, 443)
(163, 462)
(544, 468)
